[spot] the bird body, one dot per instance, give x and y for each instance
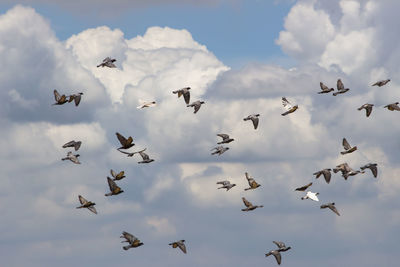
(76, 98)
(368, 108)
(196, 105)
(108, 62)
(290, 109)
(125, 143)
(348, 148)
(114, 188)
(60, 99)
(145, 157)
(117, 176)
(249, 205)
(254, 119)
(340, 88)
(303, 188)
(252, 183)
(381, 83)
(226, 185)
(393, 106)
(185, 92)
(179, 244)
(144, 104)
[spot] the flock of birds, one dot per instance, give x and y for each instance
(127, 143)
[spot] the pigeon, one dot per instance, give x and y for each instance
(108, 62)
(72, 157)
(219, 150)
(144, 104)
(326, 173)
(381, 83)
(179, 244)
(276, 254)
(325, 89)
(60, 100)
(249, 206)
(76, 98)
(347, 147)
(393, 106)
(252, 183)
(346, 170)
(145, 157)
(331, 206)
(226, 185)
(303, 188)
(254, 119)
(117, 176)
(114, 188)
(196, 105)
(281, 246)
(86, 204)
(311, 195)
(290, 109)
(75, 144)
(340, 88)
(125, 143)
(372, 167)
(185, 92)
(225, 139)
(131, 239)
(130, 154)
(368, 108)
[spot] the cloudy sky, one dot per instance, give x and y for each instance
(240, 57)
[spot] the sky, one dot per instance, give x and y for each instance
(240, 58)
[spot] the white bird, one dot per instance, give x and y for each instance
(311, 195)
(146, 104)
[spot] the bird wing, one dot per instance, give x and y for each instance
(374, 170)
(303, 187)
(69, 144)
(277, 256)
(182, 246)
(77, 99)
(346, 144)
(323, 87)
(339, 85)
(111, 184)
(74, 159)
(82, 200)
(246, 202)
(224, 183)
(286, 104)
(186, 96)
(77, 145)
(313, 197)
(279, 244)
(255, 122)
(196, 107)
(120, 175)
(56, 96)
(368, 109)
(113, 174)
(144, 155)
(327, 175)
(333, 208)
(92, 209)
(63, 98)
(121, 139)
(223, 136)
(129, 237)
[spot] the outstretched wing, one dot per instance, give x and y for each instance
(255, 122)
(340, 85)
(77, 99)
(286, 104)
(129, 237)
(56, 96)
(223, 136)
(182, 246)
(111, 184)
(323, 87)
(92, 209)
(246, 202)
(186, 96)
(112, 172)
(223, 183)
(121, 139)
(82, 200)
(144, 155)
(279, 244)
(346, 144)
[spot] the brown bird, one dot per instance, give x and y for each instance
(331, 206)
(196, 105)
(290, 109)
(326, 173)
(179, 244)
(368, 108)
(325, 89)
(249, 206)
(125, 143)
(117, 176)
(393, 106)
(340, 88)
(75, 144)
(76, 98)
(381, 83)
(252, 183)
(185, 92)
(133, 241)
(60, 100)
(114, 188)
(86, 204)
(347, 147)
(303, 188)
(108, 62)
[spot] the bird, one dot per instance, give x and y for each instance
(114, 188)
(117, 176)
(281, 246)
(145, 157)
(72, 157)
(179, 244)
(219, 150)
(108, 62)
(185, 92)
(86, 204)
(252, 183)
(125, 143)
(325, 89)
(303, 188)
(290, 109)
(225, 139)
(393, 106)
(249, 206)
(254, 119)
(311, 195)
(196, 105)
(75, 144)
(144, 104)
(326, 173)
(76, 98)
(276, 254)
(368, 108)
(381, 83)
(331, 206)
(133, 241)
(346, 170)
(372, 167)
(347, 147)
(340, 88)
(60, 99)
(130, 154)
(226, 185)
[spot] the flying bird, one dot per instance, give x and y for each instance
(185, 92)
(254, 119)
(86, 204)
(281, 246)
(219, 150)
(76, 98)
(368, 108)
(348, 148)
(277, 252)
(346, 170)
(290, 109)
(393, 106)
(226, 185)
(196, 105)
(60, 99)
(145, 157)
(311, 195)
(72, 157)
(114, 188)
(373, 167)
(381, 83)
(130, 154)
(125, 143)
(331, 206)
(340, 88)
(75, 144)
(252, 183)
(144, 104)
(325, 89)
(250, 206)
(325, 172)
(225, 139)
(133, 241)
(303, 188)
(108, 62)
(117, 176)
(179, 244)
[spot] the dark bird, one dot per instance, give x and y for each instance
(225, 139)
(179, 244)
(348, 148)
(108, 62)
(249, 206)
(373, 167)
(252, 183)
(254, 119)
(393, 106)
(125, 143)
(185, 92)
(75, 144)
(303, 188)
(145, 157)
(76, 98)
(60, 99)
(346, 170)
(72, 157)
(367, 107)
(326, 173)
(86, 204)
(219, 150)
(196, 105)
(325, 89)
(281, 246)
(117, 176)
(290, 109)
(331, 206)
(226, 185)
(114, 188)
(381, 83)
(340, 88)
(133, 241)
